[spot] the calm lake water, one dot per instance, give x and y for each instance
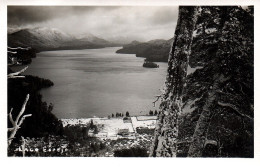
(97, 82)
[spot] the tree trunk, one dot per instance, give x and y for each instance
(166, 132)
(199, 136)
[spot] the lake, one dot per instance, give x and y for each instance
(97, 82)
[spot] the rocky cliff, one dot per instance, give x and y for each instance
(207, 106)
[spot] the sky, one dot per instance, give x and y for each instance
(141, 23)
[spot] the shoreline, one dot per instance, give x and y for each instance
(114, 128)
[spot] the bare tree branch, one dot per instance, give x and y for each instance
(18, 122)
(22, 110)
(15, 75)
(18, 48)
(10, 129)
(11, 52)
(23, 146)
(208, 141)
(157, 98)
(11, 117)
(235, 109)
(23, 118)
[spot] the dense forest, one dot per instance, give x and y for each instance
(22, 55)
(42, 122)
(209, 112)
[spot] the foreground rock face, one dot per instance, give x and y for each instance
(207, 108)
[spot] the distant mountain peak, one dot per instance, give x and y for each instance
(51, 32)
(135, 42)
(85, 35)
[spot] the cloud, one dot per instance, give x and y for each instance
(19, 15)
(164, 14)
(133, 22)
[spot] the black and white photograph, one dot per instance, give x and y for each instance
(130, 81)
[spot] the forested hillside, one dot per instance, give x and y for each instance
(42, 122)
(207, 106)
(154, 50)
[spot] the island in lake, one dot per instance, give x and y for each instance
(149, 64)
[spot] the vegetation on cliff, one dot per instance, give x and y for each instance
(209, 112)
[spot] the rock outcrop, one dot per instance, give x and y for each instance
(207, 106)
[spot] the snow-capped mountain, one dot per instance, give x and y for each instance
(51, 34)
(42, 38)
(11, 30)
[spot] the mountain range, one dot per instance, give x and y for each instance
(42, 38)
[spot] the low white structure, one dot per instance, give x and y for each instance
(144, 123)
(114, 128)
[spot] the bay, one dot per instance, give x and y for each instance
(97, 82)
